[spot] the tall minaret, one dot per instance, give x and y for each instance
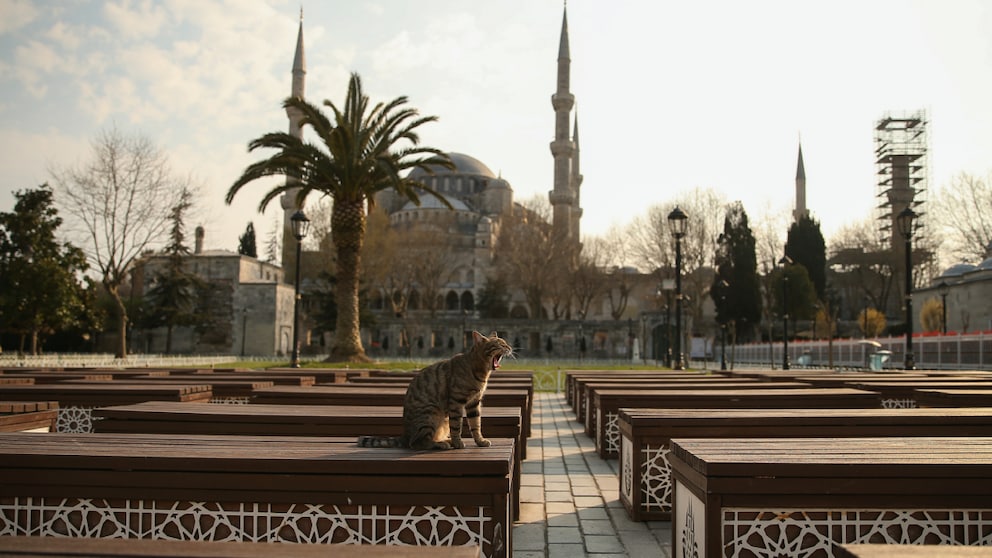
(288, 199)
(563, 198)
(800, 211)
(576, 181)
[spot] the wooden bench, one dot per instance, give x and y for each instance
(910, 551)
(254, 489)
(224, 391)
(19, 416)
(802, 496)
(56, 547)
(905, 393)
(279, 379)
(645, 436)
(381, 396)
(157, 417)
(572, 375)
(76, 402)
(608, 403)
(590, 389)
(494, 383)
(579, 399)
(957, 397)
(49, 378)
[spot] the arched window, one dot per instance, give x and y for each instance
(519, 312)
(414, 302)
(451, 301)
(468, 301)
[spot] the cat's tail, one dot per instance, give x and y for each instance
(380, 442)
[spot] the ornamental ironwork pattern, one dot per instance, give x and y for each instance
(74, 419)
(231, 400)
(253, 522)
(611, 434)
(627, 469)
(892, 403)
(656, 479)
(813, 534)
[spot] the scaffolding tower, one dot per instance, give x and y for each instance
(901, 162)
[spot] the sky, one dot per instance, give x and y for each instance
(670, 96)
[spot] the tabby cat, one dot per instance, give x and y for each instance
(441, 394)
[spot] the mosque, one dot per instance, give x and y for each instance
(482, 200)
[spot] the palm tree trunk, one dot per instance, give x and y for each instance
(348, 233)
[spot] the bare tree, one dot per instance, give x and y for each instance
(962, 211)
(653, 245)
(588, 282)
(527, 254)
(118, 202)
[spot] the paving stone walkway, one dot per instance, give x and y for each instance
(569, 496)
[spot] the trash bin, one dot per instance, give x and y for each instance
(877, 359)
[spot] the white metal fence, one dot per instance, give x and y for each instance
(971, 351)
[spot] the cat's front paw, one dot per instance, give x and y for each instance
(457, 443)
(483, 443)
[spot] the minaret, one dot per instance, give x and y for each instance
(576, 182)
(800, 211)
(562, 197)
(288, 199)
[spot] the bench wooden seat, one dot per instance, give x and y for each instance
(954, 397)
(589, 390)
(48, 378)
(608, 403)
(254, 489)
(18, 416)
(910, 551)
(381, 396)
(58, 547)
(158, 417)
(76, 401)
(905, 393)
(224, 391)
(324, 375)
(579, 387)
(645, 436)
(802, 496)
(207, 376)
(572, 375)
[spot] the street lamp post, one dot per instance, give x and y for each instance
(905, 223)
(943, 288)
(301, 226)
(677, 224)
(784, 262)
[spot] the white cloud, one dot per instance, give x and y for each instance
(135, 20)
(16, 14)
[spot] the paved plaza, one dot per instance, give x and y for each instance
(569, 496)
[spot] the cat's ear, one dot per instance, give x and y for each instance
(477, 337)
(493, 335)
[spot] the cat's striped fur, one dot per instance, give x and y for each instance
(441, 394)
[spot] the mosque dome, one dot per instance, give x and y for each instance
(428, 201)
(986, 264)
(464, 164)
(958, 269)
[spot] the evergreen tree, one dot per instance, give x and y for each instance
(40, 289)
(493, 297)
(735, 291)
(246, 242)
(806, 247)
(174, 296)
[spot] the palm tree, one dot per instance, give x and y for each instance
(358, 158)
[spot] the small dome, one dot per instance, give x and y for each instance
(958, 269)
(986, 264)
(464, 164)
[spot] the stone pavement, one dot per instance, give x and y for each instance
(569, 496)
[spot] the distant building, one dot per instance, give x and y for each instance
(250, 305)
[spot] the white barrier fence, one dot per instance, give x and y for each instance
(972, 351)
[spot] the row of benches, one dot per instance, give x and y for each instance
(771, 468)
(288, 471)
